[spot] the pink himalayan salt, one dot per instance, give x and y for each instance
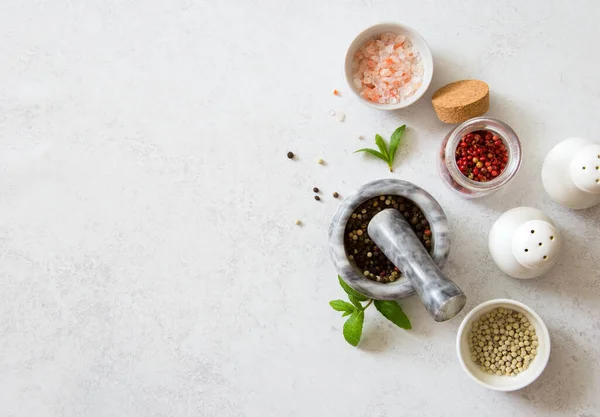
(387, 69)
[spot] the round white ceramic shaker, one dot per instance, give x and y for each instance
(571, 173)
(524, 243)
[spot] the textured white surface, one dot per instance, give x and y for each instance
(149, 260)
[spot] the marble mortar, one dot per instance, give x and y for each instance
(433, 296)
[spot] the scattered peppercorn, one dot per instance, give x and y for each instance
(503, 342)
(315, 189)
(320, 161)
(317, 198)
(481, 155)
(298, 222)
(290, 155)
(366, 255)
(335, 195)
(336, 92)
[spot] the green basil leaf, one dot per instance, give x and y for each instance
(341, 305)
(355, 301)
(382, 146)
(346, 313)
(350, 291)
(374, 153)
(392, 311)
(353, 327)
(395, 142)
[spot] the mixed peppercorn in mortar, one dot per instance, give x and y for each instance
(362, 250)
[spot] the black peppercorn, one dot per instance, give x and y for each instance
(335, 195)
(377, 267)
(290, 155)
(315, 189)
(317, 198)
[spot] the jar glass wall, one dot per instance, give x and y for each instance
(459, 182)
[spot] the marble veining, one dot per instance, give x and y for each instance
(393, 235)
(433, 212)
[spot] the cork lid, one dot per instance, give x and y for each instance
(461, 100)
(460, 93)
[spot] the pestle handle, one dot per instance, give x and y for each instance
(393, 235)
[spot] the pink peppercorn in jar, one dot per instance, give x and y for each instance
(479, 156)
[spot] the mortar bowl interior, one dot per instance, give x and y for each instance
(348, 270)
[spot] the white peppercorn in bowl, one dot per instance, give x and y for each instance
(503, 382)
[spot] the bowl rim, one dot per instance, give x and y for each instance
(427, 60)
(497, 301)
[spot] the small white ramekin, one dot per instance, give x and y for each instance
(496, 382)
(416, 40)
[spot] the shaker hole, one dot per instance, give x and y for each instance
(533, 231)
(526, 250)
(551, 237)
(545, 257)
(540, 244)
(583, 168)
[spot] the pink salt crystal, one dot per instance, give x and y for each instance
(387, 69)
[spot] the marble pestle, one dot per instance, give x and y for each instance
(393, 235)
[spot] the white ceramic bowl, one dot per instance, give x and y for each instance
(503, 383)
(416, 40)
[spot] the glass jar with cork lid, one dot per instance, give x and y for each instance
(479, 156)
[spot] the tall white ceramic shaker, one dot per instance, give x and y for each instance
(571, 173)
(524, 243)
